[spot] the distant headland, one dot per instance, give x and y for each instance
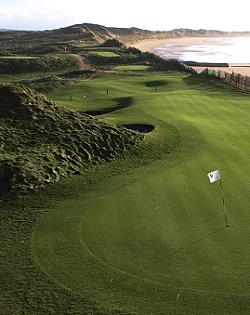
(97, 33)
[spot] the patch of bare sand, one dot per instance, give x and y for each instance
(149, 44)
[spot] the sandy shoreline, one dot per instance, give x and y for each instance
(151, 44)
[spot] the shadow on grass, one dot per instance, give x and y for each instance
(155, 83)
(121, 102)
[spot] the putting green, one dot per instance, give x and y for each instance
(133, 68)
(109, 54)
(149, 236)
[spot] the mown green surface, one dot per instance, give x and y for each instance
(92, 94)
(109, 54)
(85, 45)
(146, 234)
(132, 68)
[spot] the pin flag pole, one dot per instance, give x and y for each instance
(224, 204)
(214, 177)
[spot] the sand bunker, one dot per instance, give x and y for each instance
(143, 128)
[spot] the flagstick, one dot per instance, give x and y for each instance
(223, 201)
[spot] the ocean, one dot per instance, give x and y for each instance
(207, 49)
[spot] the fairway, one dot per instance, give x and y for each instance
(133, 68)
(109, 54)
(146, 233)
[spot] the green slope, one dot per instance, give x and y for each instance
(148, 235)
(41, 142)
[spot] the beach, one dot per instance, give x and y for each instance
(186, 44)
(151, 44)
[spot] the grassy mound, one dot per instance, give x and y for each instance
(15, 65)
(42, 141)
(113, 43)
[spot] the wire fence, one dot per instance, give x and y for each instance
(236, 80)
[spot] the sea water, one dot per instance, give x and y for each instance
(208, 49)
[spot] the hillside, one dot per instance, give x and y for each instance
(95, 33)
(143, 234)
(42, 141)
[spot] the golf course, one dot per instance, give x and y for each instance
(145, 233)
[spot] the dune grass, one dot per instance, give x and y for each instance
(17, 57)
(146, 234)
(22, 78)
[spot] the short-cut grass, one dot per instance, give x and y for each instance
(108, 54)
(132, 68)
(146, 234)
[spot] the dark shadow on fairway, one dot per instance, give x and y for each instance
(143, 128)
(122, 102)
(156, 83)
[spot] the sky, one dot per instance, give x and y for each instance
(152, 15)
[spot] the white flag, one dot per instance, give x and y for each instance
(214, 176)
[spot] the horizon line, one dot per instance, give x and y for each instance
(131, 27)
